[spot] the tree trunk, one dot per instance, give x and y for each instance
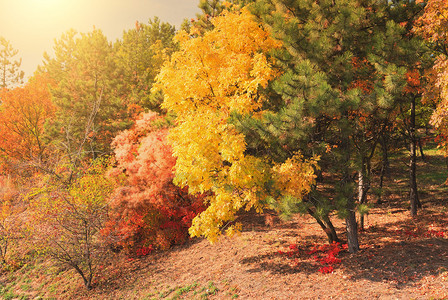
(87, 280)
(363, 188)
(327, 227)
(384, 167)
(350, 220)
(331, 231)
(361, 183)
(364, 178)
(348, 193)
(420, 146)
(412, 163)
(361, 193)
(352, 232)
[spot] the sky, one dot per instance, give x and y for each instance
(32, 25)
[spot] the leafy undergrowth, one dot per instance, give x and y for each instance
(400, 258)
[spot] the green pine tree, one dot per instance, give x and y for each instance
(341, 81)
(139, 56)
(90, 108)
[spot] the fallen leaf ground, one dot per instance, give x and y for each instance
(400, 258)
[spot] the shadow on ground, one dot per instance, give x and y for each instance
(399, 253)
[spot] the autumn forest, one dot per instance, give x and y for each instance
(331, 115)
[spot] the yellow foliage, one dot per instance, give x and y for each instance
(221, 70)
(60, 212)
(296, 175)
(210, 77)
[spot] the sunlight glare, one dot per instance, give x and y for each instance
(49, 11)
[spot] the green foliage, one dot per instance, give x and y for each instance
(185, 290)
(139, 55)
(90, 108)
(288, 206)
(210, 9)
(363, 209)
(211, 289)
(343, 77)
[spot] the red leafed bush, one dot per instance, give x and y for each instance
(148, 209)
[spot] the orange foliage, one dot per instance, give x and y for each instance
(23, 112)
(433, 26)
(413, 80)
(433, 23)
(148, 209)
(363, 75)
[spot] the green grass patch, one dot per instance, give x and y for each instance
(209, 290)
(184, 290)
(432, 173)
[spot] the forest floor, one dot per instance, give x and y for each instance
(400, 257)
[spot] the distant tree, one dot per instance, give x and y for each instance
(10, 74)
(139, 55)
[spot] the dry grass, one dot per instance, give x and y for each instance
(400, 258)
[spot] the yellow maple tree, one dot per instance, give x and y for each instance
(212, 76)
